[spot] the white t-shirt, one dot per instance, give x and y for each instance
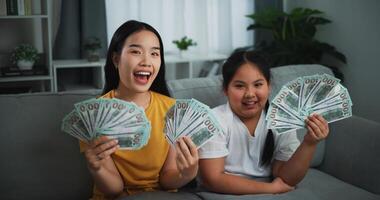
(241, 150)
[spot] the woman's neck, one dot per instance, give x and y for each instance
(141, 99)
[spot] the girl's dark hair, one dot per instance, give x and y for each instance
(117, 43)
(259, 59)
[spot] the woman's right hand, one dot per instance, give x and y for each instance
(280, 186)
(187, 157)
(100, 150)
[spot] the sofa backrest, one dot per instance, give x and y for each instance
(209, 91)
(38, 160)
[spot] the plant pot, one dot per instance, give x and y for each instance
(25, 64)
(183, 54)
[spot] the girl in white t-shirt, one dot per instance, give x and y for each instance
(233, 162)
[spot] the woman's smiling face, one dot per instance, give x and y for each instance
(248, 91)
(139, 61)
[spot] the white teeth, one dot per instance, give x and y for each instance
(143, 73)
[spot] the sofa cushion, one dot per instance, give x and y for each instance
(315, 186)
(40, 161)
(352, 152)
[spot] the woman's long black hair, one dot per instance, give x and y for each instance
(233, 63)
(117, 43)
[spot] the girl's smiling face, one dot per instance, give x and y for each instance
(139, 61)
(247, 92)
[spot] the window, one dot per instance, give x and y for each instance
(216, 25)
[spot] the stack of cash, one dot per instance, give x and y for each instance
(299, 98)
(122, 120)
(189, 117)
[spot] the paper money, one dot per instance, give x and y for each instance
(299, 98)
(115, 118)
(189, 117)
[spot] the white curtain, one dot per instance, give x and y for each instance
(218, 26)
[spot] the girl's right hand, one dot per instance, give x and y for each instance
(280, 186)
(100, 150)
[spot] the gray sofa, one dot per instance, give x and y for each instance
(38, 161)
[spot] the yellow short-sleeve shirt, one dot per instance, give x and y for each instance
(140, 168)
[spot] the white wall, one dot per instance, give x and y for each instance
(354, 31)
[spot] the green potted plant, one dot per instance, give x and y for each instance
(293, 39)
(92, 46)
(25, 55)
(184, 43)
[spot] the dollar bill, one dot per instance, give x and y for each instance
(275, 112)
(208, 129)
(131, 138)
(87, 111)
(321, 91)
(296, 86)
(287, 101)
(310, 83)
(337, 112)
(73, 125)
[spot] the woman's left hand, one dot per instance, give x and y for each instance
(187, 157)
(317, 129)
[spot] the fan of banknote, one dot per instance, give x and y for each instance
(189, 117)
(122, 120)
(299, 98)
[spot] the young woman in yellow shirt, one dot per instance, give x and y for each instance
(135, 71)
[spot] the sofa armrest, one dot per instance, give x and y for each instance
(39, 161)
(352, 153)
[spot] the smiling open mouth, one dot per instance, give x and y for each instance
(142, 76)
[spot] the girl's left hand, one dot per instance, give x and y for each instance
(187, 157)
(317, 129)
